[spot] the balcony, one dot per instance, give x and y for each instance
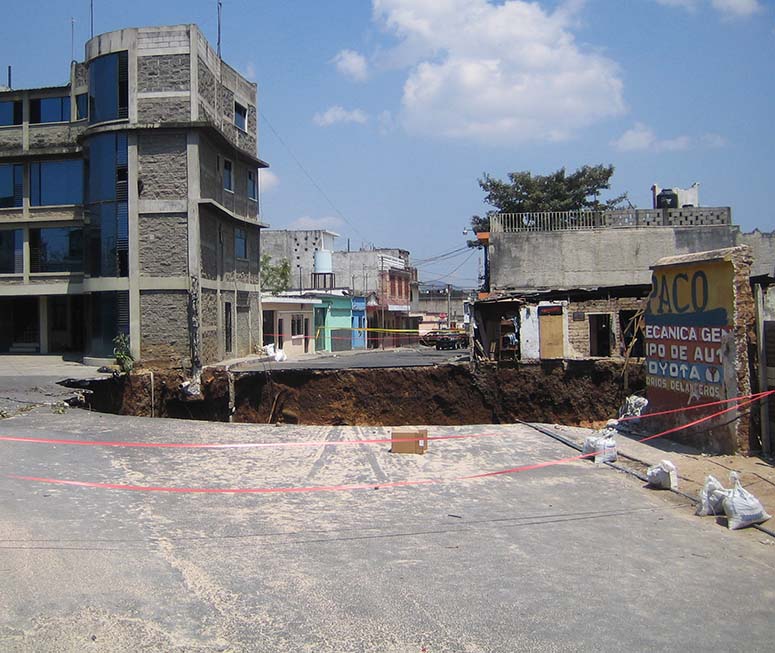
(612, 219)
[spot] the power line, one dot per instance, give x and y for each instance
(309, 176)
(451, 272)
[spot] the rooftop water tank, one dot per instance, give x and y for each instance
(323, 262)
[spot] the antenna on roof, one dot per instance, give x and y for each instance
(220, 4)
(72, 38)
(91, 17)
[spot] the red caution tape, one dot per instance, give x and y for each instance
(359, 486)
(758, 395)
(237, 445)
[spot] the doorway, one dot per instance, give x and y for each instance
(600, 335)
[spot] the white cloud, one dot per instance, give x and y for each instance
(641, 138)
(728, 8)
(737, 8)
(351, 64)
(713, 140)
(337, 114)
(386, 122)
(267, 180)
(497, 73)
(326, 222)
(250, 71)
(689, 5)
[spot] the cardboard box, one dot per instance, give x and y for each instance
(408, 439)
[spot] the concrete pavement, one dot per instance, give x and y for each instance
(568, 557)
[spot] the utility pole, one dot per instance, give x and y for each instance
(449, 306)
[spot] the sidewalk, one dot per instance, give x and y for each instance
(756, 474)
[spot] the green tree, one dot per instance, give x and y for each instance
(275, 278)
(558, 191)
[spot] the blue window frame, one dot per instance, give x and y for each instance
(56, 182)
(56, 249)
(81, 106)
(10, 113)
(50, 109)
(108, 88)
(11, 251)
(240, 243)
(11, 185)
(240, 116)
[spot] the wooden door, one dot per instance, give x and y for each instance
(550, 332)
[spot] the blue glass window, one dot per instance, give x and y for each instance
(50, 109)
(107, 190)
(240, 116)
(11, 247)
(56, 182)
(109, 317)
(10, 113)
(108, 87)
(56, 249)
(240, 243)
(82, 106)
(252, 184)
(11, 185)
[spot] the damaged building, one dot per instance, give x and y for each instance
(129, 204)
(572, 285)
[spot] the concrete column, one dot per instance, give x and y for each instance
(194, 251)
(134, 249)
(43, 324)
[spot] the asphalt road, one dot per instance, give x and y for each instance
(372, 358)
(567, 557)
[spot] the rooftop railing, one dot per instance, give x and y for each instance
(614, 218)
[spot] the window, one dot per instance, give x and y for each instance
(227, 325)
(108, 231)
(240, 243)
(108, 87)
(252, 184)
(10, 113)
(56, 182)
(56, 249)
(240, 116)
(11, 185)
(297, 325)
(81, 106)
(11, 244)
(50, 109)
(228, 182)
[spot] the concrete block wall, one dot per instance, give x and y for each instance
(578, 331)
(162, 73)
(163, 244)
(162, 166)
(162, 312)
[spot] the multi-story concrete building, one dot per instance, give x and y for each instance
(129, 204)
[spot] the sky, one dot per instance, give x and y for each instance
(379, 118)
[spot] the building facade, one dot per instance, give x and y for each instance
(129, 204)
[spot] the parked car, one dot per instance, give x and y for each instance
(446, 339)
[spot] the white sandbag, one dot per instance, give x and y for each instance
(269, 349)
(663, 476)
(741, 507)
(602, 444)
(280, 356)
(633, 406)
(712, 497)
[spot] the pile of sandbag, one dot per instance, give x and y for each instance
(663, 476)
(740, 506)
(602, 443)
(633, 406)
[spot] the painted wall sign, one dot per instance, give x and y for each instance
(689, 322)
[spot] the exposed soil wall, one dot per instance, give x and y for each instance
(571, 392)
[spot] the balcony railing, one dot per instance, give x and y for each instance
(623, 218)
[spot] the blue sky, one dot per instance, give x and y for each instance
(379, 117)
